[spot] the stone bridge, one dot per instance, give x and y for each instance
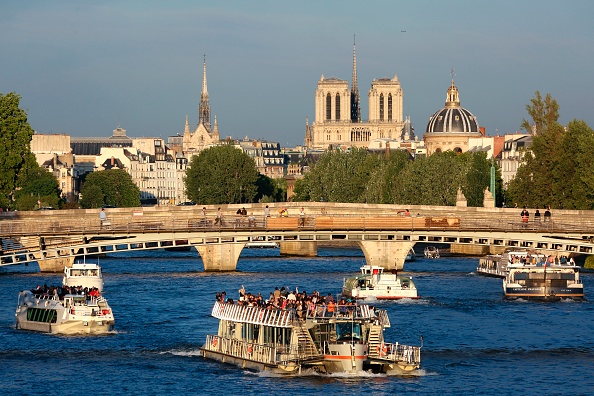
(384, 232)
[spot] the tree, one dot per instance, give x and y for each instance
(110, 187)
(380, 186)
(15, 143)
(271, 190)
(338, 176)
(221, 174)
(433, 180)
(36, 183)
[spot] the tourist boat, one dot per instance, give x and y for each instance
(68, 314)
(543, 281)
(262, 245)
(348, 340)
(373, 282)
(431, 252)
(495, 265)
(85, 275)
(411, 255)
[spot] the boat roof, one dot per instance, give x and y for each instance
(84, 266)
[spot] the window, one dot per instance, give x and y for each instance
(390, 107)
(381, 107)
(328, 107)
(337, 104)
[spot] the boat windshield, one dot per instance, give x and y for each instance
(348, 331)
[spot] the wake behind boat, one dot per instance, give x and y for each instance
(373, 282)
(288, 335)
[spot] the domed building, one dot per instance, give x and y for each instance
(451, 127)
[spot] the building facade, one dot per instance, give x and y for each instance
(338, 117)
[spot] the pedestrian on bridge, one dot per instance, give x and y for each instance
(219, 218)
(525, 216)
(102, 216)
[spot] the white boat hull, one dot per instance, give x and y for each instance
(70, 316)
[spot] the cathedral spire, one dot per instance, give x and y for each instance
(187, 128)
(204, 107)
(355, 100)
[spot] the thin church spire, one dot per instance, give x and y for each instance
(355, 99)
(204, 107)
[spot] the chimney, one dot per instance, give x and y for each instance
(112, 161)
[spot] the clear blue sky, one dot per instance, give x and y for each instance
(83, 68)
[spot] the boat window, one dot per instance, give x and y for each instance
(348, 331)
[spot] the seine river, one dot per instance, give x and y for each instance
(475, 342)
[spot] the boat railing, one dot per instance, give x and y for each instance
(254, 315)
(396, 352)
(267, 354)
(285, 318)
(352, 312)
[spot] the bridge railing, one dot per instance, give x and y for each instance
(157, 224)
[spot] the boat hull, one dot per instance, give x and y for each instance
(71, 327)
(544, 293)
(289, 369)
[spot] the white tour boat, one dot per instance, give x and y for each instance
(495, 265)
(349, 339)
(431, 252)
(85, 275)
(373, 282)
(67, 314)
(543, 281)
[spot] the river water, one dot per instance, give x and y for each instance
(475, 342)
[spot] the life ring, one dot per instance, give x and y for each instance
(261, 314)
(381, 349)
(214, 342)
(250, 349)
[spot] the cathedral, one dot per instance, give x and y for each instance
(204, 135)
(338, 114)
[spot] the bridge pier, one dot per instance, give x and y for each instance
(220, 257)
(299, 248)
(55, 264)
(388, 254)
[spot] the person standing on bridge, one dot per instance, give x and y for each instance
(525, 216)
(219, 218)
(302, 217)
(102, 216)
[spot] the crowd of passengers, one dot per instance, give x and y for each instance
(61, 291)
(301, 303)
(536, 260)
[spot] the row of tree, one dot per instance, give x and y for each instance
(360, 176)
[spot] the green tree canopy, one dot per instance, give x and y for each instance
(271, 190)
(15, 143)
(559, 170)
(339, 176)
(221, 175)
(36, 183)
(110, 187)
